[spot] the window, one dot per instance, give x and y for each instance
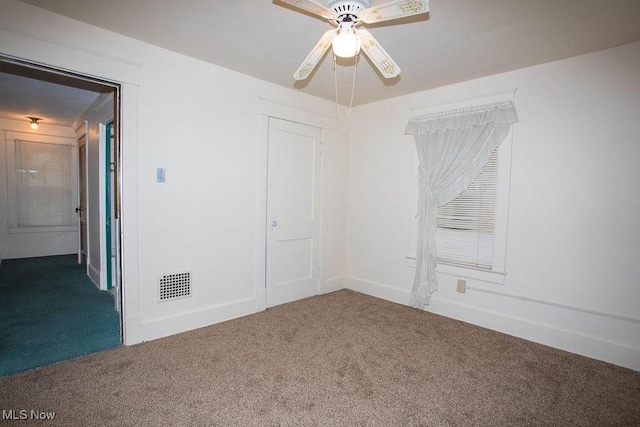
(471, 238)
(43, 184)
(466, 224)
(42, 187)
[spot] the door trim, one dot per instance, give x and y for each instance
(267, 109)
(50, 55)
(105, 192)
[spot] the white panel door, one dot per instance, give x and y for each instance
(293, 211)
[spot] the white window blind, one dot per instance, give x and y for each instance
(465, 230)
(43, 184)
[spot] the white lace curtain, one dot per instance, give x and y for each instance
(453, 147)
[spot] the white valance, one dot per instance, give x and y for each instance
(463, 118)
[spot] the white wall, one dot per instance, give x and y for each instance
(203, 131)
(199, 122)
(573, 230)
(31, 244)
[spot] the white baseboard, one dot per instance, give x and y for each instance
(18, 253)
(378, 290)
(158, 328)
(94, 275)
(543, 333)
(261, 299)
(132, 330)
(571, 341)
(332, 284)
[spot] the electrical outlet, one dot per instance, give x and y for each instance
(461, 286)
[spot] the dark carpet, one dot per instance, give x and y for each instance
(341, 359)
(51, 311)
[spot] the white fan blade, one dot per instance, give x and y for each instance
(313, 7)
(315, 56)
(393, 10)
(380, 58)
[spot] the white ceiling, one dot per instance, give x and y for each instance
(457, 41)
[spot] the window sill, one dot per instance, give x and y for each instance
(490, 276)
(43, 229)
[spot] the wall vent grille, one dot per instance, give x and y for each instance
(176, 285)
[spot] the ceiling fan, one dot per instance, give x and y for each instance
(347, 40)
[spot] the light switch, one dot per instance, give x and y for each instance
(160, 175)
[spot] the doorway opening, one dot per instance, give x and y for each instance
(60, 266)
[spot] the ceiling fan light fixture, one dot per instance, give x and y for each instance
(346, 44)
(346, 15)
(34, 122)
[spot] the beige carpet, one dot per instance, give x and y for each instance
(337, 359)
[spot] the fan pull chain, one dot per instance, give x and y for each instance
(353, 86)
